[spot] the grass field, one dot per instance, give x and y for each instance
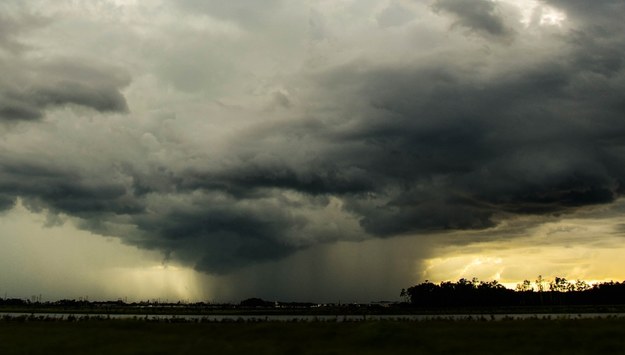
(590, 336)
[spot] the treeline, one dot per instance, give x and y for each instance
(151, 307)
(86, 305)
(475, 293)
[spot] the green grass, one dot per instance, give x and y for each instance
(590, 336)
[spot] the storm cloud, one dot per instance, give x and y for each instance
(479, 16)
(27, 94)
(455, 133)
(31, 86)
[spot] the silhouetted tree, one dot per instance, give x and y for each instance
(255, 303)
(559, 284)
(539, 283)
(491, 293)
(581, 286)
(526, 286)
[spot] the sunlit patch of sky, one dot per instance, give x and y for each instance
(534, 10)
(575, 248)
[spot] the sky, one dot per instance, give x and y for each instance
(329, 150)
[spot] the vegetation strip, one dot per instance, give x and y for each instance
(575, 336)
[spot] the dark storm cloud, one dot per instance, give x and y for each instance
(212, 231)
(220, 235)
(450, 150)
(103, 99)
(454, 142)
(477, 15)
(316, 179)
(30, 105)
(6, 202)
(12, 109)
(63, 190)
(443, 147)
(28, 87)
(59, 85)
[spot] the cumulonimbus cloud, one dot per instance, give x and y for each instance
(369, 148)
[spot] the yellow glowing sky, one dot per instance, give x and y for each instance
(589, 248)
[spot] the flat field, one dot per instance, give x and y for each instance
(534, 336)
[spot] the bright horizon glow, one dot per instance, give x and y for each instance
(577, 247)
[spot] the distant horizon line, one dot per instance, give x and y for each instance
(533, 287)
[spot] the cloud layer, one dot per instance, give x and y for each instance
(244, 134)
(30, 84)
